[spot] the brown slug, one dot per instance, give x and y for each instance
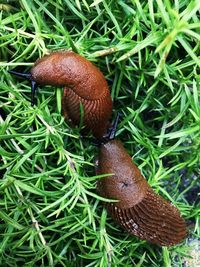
(139, 210)
(84, 84)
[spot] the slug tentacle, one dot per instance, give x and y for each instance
(140, 211)
(29, 77)
(34, 87)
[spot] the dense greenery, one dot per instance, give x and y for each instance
(50, 213)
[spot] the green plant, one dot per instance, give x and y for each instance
(50, 212)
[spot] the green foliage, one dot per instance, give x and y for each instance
(149, 51)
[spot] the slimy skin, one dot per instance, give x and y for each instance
(84, 84)
(140, 211)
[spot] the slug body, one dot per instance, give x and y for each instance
(139, 210)
(84, 84)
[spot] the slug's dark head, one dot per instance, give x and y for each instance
(29, 77)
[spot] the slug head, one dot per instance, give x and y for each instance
(68, 69)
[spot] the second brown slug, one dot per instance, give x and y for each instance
(139, 210)
(84, 84)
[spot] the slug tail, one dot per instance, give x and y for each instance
(152, 219)
(96, 113)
